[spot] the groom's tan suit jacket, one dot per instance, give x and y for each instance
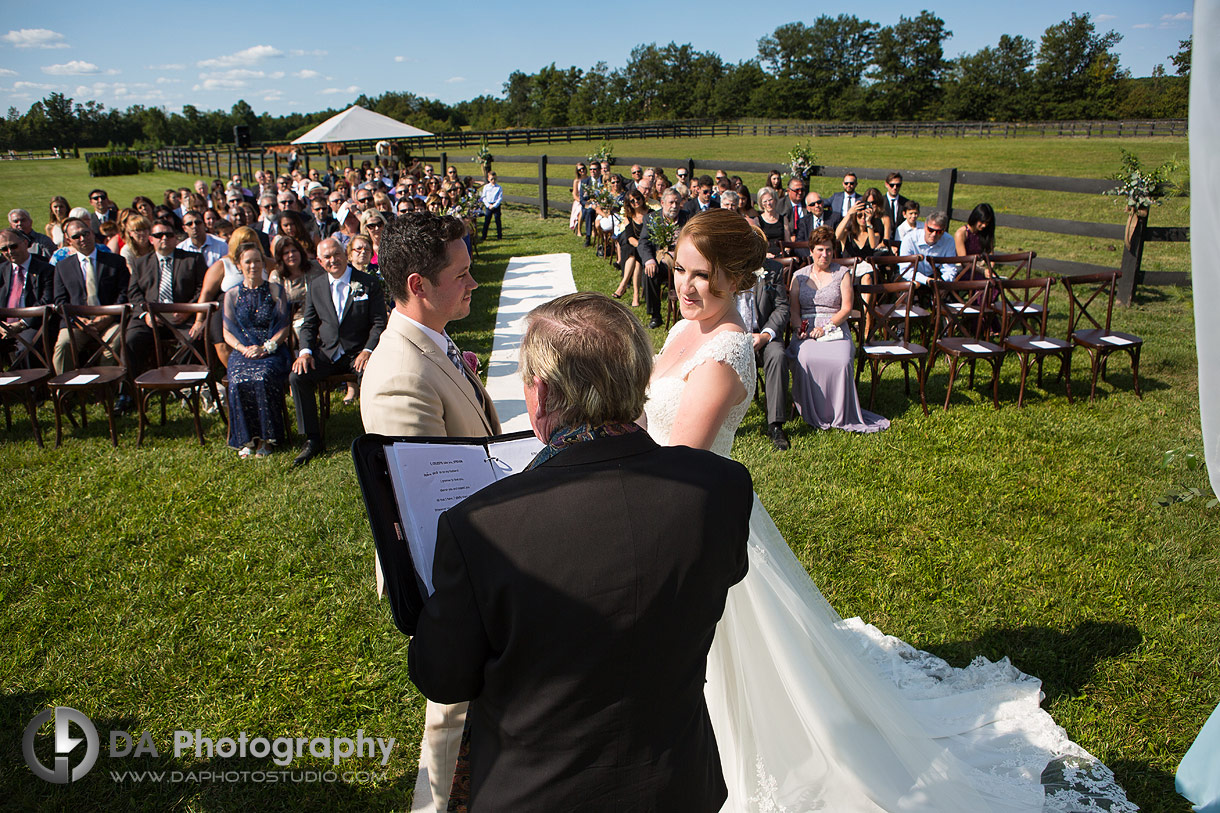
(411, 388)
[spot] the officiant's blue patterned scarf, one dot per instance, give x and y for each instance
(567, 436)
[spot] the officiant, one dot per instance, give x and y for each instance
(581, 635)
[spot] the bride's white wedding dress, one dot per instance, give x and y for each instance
(812, 712)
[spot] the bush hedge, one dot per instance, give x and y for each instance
(101, 165)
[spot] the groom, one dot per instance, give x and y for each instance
(580, 634)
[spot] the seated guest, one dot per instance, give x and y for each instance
(211, 220)
(198, 241)
(256, 324)
(796, 207)
(88, 276)
(382, 202)
(881, 218)
(772, 222)
(58, 214)
(702, 200)
(857, 233)
(910, 220)
(775, 182)
(323, 219)
(764, 313)
(291, 224)
(221, 277)
(108, 233)
(267, 211)
(822, 354)
(345, 314)
(293, 267)
(657, 258)
(372, 224)
(978, 235)
(40, 245)
(930, 241)
(25, 281)
(145, 207)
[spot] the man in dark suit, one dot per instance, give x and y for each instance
(701, 200)
(580, 635)
(88, 277)
(764, 311)
(894, 201)
(39, 244)
(817, 214)
(165, 275)
(25, 281)
(655, 271)
(344, 317)
(841, 202)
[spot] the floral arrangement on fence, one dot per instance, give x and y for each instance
(483, 156)
(604, 152)
(662, 231)
(1141, 187)
(800, 161)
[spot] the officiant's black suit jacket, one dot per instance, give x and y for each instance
(575, 604)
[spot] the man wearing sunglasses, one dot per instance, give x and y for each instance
(894, 200)
(198, 241)
(25, 281)
(930, 241)
(88, 276)
(101, 209)
(841, 202)
(268, 213)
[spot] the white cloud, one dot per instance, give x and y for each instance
(299, 52)
(163, 80)
(1104, 18)
(306, 74)
(76, 68)
(1142, 25)
(250, 56)
(170, 67)
(349, 89)
(221, 84)
(400, 59)
(454, 79)
(7, 72)
(242, 73)
(1180, 17)
(33, 86)
(272, 95)
(35, 38)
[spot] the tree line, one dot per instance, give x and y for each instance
(838, 68)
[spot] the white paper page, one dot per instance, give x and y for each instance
(191, 376)
(976, 348)
(1115, 340)
(882, 349)
(900, 351)
(429, 479)
(5, 380)
(84, 378)
(512, 456)
(1044, 345)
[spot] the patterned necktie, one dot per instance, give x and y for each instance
(14, 296)
(86, 265)
(165, 292)
(452, 352)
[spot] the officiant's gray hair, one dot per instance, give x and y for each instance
(593, 354)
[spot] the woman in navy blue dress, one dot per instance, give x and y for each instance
(256, 324)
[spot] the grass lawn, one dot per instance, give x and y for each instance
(176, 587)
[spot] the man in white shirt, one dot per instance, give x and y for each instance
(199, 241)
(491, 196)
(930, 241)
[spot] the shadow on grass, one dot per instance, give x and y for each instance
(1149, 787)
(1064, 661)
(165, 782)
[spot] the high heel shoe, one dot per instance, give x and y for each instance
(618, 294)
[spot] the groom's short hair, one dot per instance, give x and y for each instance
(593, 354)
(414, 243)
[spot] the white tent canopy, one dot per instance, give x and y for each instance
(358, 124)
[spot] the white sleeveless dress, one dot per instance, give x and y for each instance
(812, 712)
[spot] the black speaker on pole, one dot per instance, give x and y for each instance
(241, 136)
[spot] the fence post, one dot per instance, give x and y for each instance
(690, 171)
(542, 203)
(1133, 256)
(444, 163)
(944, 193)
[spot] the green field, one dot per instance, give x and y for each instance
(176, 587)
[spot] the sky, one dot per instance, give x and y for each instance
(308, 56)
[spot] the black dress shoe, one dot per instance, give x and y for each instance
(122, 405)
(309, 451)
(779, 438)
(654, 323)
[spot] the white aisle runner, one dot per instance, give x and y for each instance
(528, 282)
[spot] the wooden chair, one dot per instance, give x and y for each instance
(889, 270)
(997, 265)
(29, 367)
(962, 310)
(1100, 341)
(879, 342)
(1024, 304)
(92, 377)
(181, 365)
(326, 390)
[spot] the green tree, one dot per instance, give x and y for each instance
(1181, 60)
(818, 66)
(1077, 73)
(909, 62)
(992, 84)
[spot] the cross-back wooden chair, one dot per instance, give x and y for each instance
(1025, 304)
(183, 365)
(884, 338)
(962, 311)
(1017, 265)
(889, 270)
(1090, 291)
(29, 365)
(90, 374)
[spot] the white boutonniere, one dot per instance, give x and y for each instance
(761, 274)
(356, 288)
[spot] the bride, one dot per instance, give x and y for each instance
(812, 712)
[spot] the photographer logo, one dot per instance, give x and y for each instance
(65, 744)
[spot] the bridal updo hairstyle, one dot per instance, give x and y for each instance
(593, 354)
(730, 244)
